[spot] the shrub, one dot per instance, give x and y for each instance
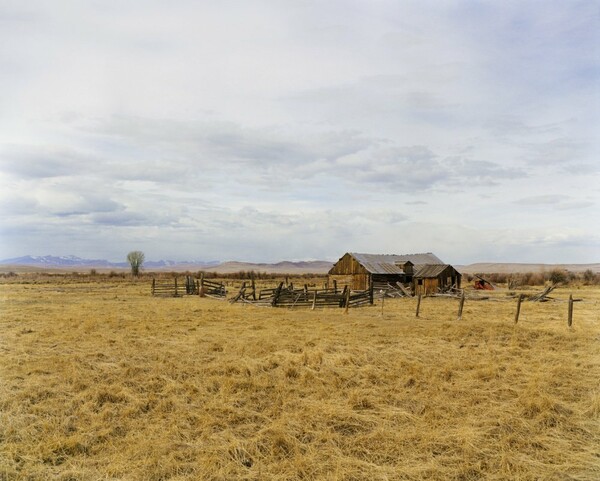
(589, 277)
(558, 276)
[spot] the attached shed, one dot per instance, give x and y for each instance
(360, 270)
(429, 278)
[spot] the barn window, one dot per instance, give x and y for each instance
(420, 282)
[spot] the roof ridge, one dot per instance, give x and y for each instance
(395, 255)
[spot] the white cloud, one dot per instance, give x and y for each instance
(271, 130)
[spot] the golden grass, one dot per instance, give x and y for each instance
(102, 381)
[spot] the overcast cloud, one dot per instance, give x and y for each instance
(271, 130)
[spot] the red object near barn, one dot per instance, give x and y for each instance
(481, 284)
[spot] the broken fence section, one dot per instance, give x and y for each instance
(212, 289)
(387, 289)
(191, 286)
(282, 296)
(543, 296)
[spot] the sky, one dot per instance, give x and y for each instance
(277, 130)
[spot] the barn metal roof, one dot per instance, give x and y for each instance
(432, 270)
(387, 263)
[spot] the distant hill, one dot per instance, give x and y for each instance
(285, 267)
(74, 263)
(513, 268)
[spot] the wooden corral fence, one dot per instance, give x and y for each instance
(212, 289)
(388, 289)
(190, 286)
(246, 293)
(166, 288)
(288, 296)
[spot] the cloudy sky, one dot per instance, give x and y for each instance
(272, 130)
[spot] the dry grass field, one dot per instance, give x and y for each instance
(100, 381)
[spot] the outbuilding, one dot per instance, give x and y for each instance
(429, 279)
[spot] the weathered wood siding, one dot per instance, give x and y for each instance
(347, 265)
(348, 271)
(449, 277)
(358, 282)
(429, 285)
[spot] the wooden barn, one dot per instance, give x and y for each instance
(360, 270)
(429, 278)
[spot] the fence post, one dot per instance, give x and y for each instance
(277, 294)
(418, 305)
(382, 301)
(253, 288)
(153, 285)
(460, 305)
(201, 290)
(334, 286)
(314, 301)
(519, 300)
(176, 292)
(342, 298)
(570, 320)
(371, 298)
(347, 299)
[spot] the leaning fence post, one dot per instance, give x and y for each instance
(519, 300)
(570, 320)
(460, 305)
(418, 305)
(342, 299)
(277, 294)
(347, 300)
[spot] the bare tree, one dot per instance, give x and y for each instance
(135, 259)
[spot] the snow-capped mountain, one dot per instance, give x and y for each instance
(70, 261)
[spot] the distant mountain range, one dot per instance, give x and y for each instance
(72, 263)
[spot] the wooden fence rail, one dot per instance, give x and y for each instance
(166, 288)
(212, 289)
(191, 286)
